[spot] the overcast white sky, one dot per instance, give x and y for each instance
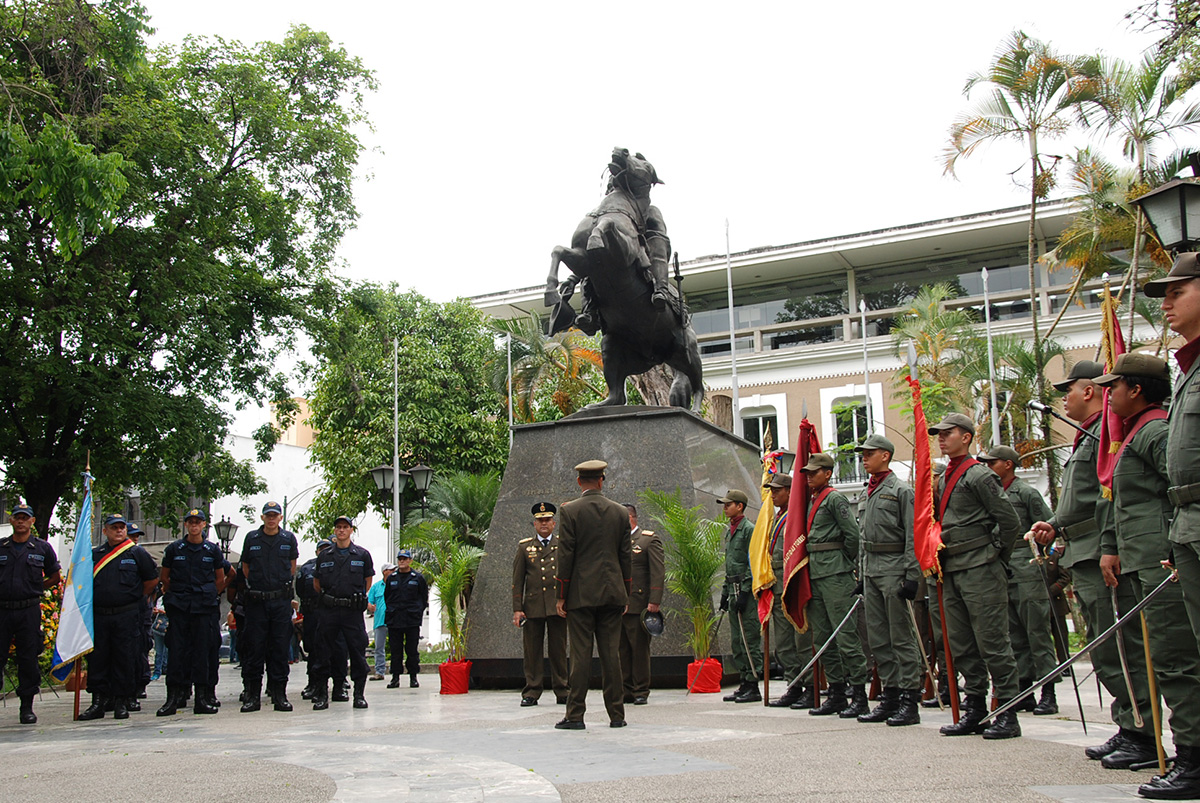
(794, 121)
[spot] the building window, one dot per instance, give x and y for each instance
(756, 425)
(850, 420)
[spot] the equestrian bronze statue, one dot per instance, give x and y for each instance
(619, 255)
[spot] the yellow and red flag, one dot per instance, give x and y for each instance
(760, 542)
(927, 532)
(797, 590)
(1112, 431)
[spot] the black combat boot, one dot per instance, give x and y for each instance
(307, 692)
(732, 698)
(320, 698)
(1004, 726)
(1134, 749)
(360, 701)
(1029, 703)
(340, 693)
(973, 710)
(119, 709)
(201, 705)
(751, 695)
(791, 695)
(412, 681)
(279, 698)
(1049, 702)
(834, 703)
(210, 694)
(1182, 781)
(27, 717)
(1114, 743)
(174, 700)
(858, 705)
(394, 683)
(95, 710)
(251, 698)
(889, 704)
(133, 705)
(908, 711)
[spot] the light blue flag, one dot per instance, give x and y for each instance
(75, 627)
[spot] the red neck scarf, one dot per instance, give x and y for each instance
(876, 480)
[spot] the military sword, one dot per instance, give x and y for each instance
(921, 646)
(1137, 715)
(679, 288)
(742, 632)
(1085, 650)
(1037, 559)
(817, 655)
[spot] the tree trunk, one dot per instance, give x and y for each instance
(720, 411)
(1038, 355)
(655, 385)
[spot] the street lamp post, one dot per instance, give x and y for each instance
(226, 529)
(389, 478)
(1173, 212)
(422, 476)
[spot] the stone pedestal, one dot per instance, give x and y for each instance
(657, 448)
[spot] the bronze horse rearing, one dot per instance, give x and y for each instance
(621, 248)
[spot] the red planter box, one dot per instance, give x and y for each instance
(709, 680)
(456, 676)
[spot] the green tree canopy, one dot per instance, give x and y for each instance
(450, 418)
(167, 218)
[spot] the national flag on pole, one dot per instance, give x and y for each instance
(760, 542)
(1112, 431)
(927, 533)
(797, 590)
(75, 628)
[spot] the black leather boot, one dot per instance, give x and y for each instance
(394, 683)
(732, 698)
(320, 698)
(251, 698)
(1049, 702)
(1182, 781)
(1029, 703)
(1134, 749)
(750, 695)
(908, 711)
(790, 696)
(201, 704)
(360, 701)
(834, 703)
(27, 717)
(279, 698)
(307, 692)
(174, 700)
(889, 704)
(340, 693)
(1115, 742)
(412, 682)
(1004, 726)
(974, 709)
(95, 710)
(210, 694)
(133, 705)
(119, 709)
(858, 705)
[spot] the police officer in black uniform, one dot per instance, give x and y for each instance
(143, 678)
(406, 593)
(343, 577)
(193, 576)
(28, 566)
(268, 564)
(123, 574)
(318, 655)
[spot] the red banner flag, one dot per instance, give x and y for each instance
(1112, 432)
(797, 590)
(927, 533)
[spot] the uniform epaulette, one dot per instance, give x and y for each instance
(647, 532)
(525, 540)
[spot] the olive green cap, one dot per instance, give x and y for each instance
(734, 495)
(1187, 266)
(1000, 453)
(1084, 369)
(876, 442)
(1135, 364)
(953, 420)
(779, 481)
(818, 461)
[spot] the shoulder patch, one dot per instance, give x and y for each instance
(526, 540)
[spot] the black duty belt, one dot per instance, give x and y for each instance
(825, 546)
(870, 546)
(1182, 495)
(133, 606)
(18, 604)
(1078, 530)
(343, 602)
(263, 596)
(967, 546)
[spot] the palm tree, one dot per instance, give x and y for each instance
(450, 567)
(563, 368)
(466, 501)
(934, 332)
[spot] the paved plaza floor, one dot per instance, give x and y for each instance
(417, 745)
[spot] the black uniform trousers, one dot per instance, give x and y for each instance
(115, 662)
(23, 627)
(192, 641)
(405, 638)
(265, 640)
(146, 618)
(346, 624)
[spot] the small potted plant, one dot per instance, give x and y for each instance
(450, 566)
(694, 559)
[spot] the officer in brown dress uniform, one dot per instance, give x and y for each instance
(534, 569)
(649, 574)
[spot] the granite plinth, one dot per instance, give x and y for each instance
(655, 448)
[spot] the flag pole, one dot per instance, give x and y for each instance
(78, 686)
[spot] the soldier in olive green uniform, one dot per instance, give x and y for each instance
(534, 596)
(791, 646)
(1180, 292)
(890, 580)
(1082, 514)
(1137, 385)
(832, 544)
(1028, 600)
(649, 575)
(737, 597)
(979, 528)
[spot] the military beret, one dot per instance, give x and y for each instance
(818, 461)
(734, 495)
(1135, 364)
(876, 442)
(953, 420)
(544, 510)
(1083, 369)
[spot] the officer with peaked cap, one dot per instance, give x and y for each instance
(534, 596)
(1028, 603)
(890, 576)
(594, 579)
(28, 566)
(979, 530)
(268, 566)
